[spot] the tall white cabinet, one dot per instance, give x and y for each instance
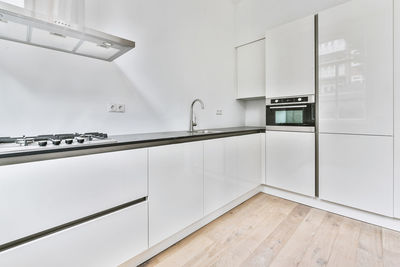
(356, 105)
(356, 68)
(290, 66)
(357, 171)
(396, 109)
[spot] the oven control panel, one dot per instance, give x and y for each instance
(291, 100)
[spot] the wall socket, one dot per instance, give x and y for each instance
(113, 107)
(219, 112)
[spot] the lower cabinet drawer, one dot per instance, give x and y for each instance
(106, 241)
(37, 196)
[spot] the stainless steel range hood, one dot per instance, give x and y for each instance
(59, 25)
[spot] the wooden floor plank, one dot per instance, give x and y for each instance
(319, 250)
(271, 246)
(239, 238)
(391, 248)
(344, 249)
(270, 231)
(370, 251)
(293, 251)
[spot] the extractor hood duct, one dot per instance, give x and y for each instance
(59, 25)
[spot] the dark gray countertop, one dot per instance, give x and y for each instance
(171, 136)
(123, 142)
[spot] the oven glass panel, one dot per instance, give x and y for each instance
(289, 116)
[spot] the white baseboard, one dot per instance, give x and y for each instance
(151, 252)
(380, 220)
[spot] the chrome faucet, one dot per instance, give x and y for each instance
(193, 120)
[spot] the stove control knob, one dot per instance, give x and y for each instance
(299, 99)
(42, 143)
(80, 140)
(69, 141)
(56, 142)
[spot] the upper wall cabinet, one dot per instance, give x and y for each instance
(250, 60)
(290, 67)
(356, 68)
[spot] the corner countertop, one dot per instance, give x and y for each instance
(123, 142)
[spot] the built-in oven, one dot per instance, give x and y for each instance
(291, 114)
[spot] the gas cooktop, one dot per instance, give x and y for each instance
(23, 143)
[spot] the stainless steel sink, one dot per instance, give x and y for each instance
(205, 132)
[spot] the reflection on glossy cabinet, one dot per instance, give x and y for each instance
(106, 241)
(290, 68)
(250, 64)
(357, 171)
(232, 167)
(45, 194)
(175, 188)
(356, 68)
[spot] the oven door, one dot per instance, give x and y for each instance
(291, 117)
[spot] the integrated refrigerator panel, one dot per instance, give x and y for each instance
(357, 171)
(356, 68)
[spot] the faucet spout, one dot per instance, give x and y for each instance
(193, 121)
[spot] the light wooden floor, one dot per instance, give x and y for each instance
(269, 231)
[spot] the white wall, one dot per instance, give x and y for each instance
(255, 113)
(184, 50)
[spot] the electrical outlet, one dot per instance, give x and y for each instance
(121, 108)
(113, 107)
(219, 112)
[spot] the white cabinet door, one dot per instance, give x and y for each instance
(357, 171)
(396, 132)
(232, 167)
(290, 67)
(248, 166)
(290, 158)
(250, 60)
(175, 188)
(40, 195)
(356, 68)
(107, 241)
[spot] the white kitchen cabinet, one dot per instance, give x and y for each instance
(290, 161)
(396, 132)
(175, 188)
(356, 68)
(40, 195)
(250, 67)
(248, 166)
(290, 67)
(232, 167)
(357, 171)
(106, 241)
